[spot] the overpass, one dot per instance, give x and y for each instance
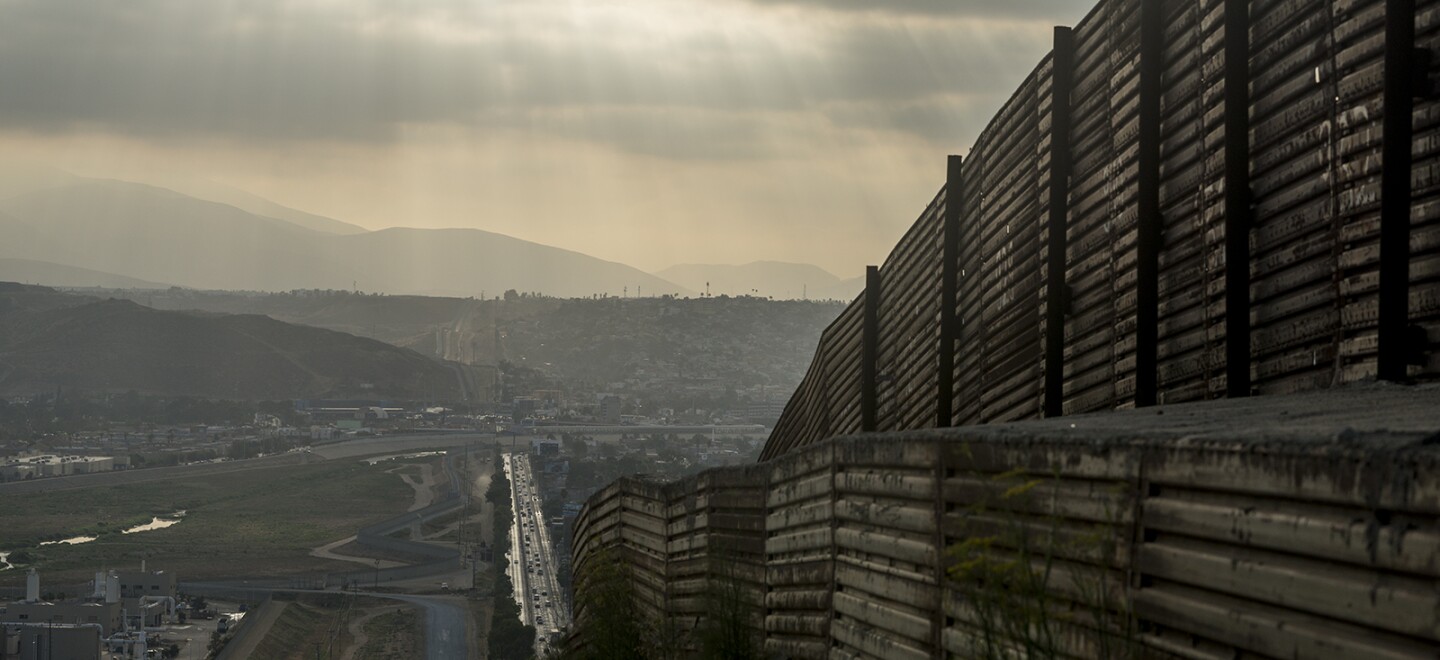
(1215, 221)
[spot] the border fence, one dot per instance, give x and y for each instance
(1086, 254)
(1185, 201)
(1224, 529)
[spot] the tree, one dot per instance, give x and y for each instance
(612, 627)
(575, 446)
(732, 609)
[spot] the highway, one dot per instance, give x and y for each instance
(532, 558)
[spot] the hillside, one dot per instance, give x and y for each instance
(215, 192)
(50, 339)
(579, 344)
(742, 342)
(45, 273)
(155, 234)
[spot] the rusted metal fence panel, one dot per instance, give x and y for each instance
(910, 325)
(715, 547)
(1191, 349)
(1124, 217)
(1216, 547)
(842, 372)
(1425, 214)
(799, 553)
(1011, 255)
(1224, 558)
(887, 585)
(1293, 290)
(827, 402)
(970, 283)
(1221, 529)
(1089, 329)
(1306, 279)
(1357, 43)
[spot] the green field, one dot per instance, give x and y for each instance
(245, 524)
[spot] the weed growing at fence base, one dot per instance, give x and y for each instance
(1032, 582)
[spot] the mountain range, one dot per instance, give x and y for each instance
(150, 233)
(65, 230)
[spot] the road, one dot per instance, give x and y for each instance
(532, 558)
(445, 632)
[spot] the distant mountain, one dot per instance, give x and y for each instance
(50, 339)
(766, 279)
(156, 234)
(217, 192)
(51, 274)
(463, 262)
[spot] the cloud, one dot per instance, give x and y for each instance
(1045, 10)
(332, 70)
(646, 131)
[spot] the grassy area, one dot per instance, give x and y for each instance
(245, 524)
(394, 634)
(314, 626)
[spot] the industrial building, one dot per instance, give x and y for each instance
(49, 465)
(120, 607)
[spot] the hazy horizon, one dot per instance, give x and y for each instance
(644, 132)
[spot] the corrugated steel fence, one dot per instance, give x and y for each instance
(1100, 217)
(1185, 200)
(1235, 528)
(688, 549)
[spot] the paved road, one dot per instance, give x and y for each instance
(533, 564)
(445, 625)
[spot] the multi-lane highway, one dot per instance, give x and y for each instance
(532, 558)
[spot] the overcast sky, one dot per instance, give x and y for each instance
(651, 132)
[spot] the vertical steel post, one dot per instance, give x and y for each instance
(1238, 215)
(869, 345)
(949, 275)
(1148, 226)
(1062, 75)
(1395, 191)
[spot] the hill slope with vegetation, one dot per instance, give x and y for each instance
(577, 345)
(51, 340)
